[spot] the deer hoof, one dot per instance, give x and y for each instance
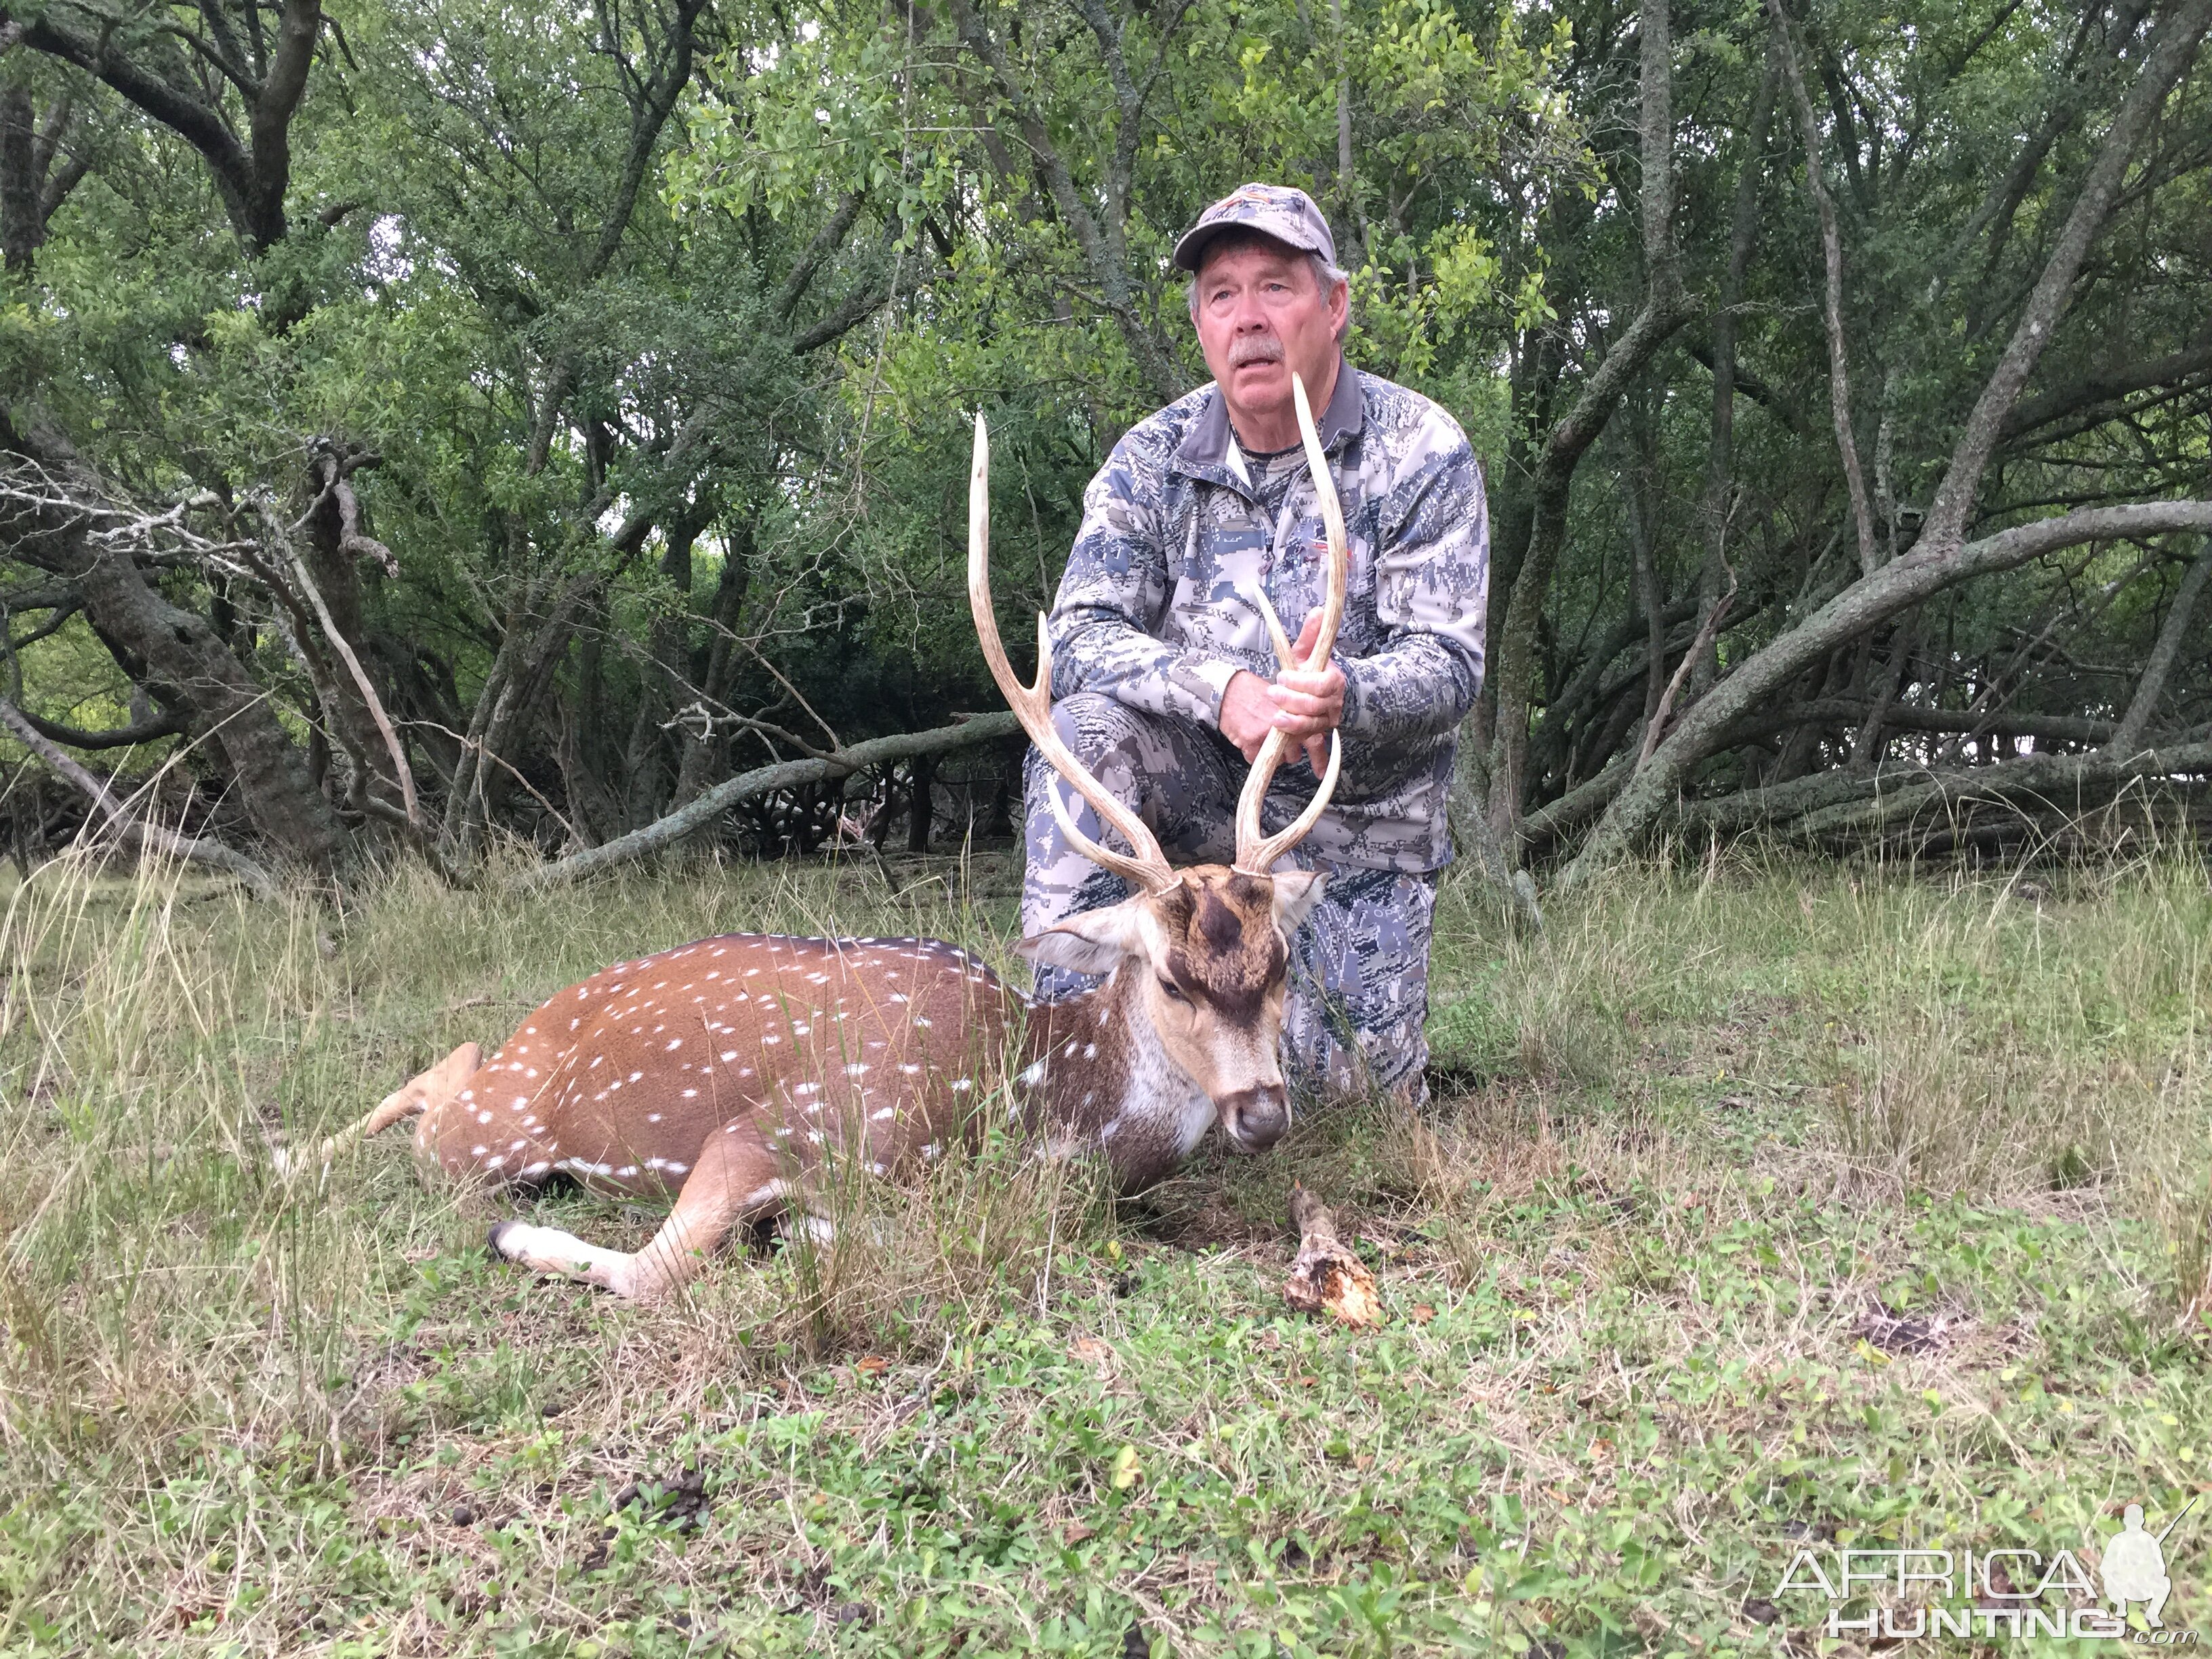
(499, 1229)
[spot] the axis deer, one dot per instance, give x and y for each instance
(731, 1070)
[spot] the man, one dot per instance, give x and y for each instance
(2134, 1567)
(1163, 675)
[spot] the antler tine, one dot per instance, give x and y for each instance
(1032, 705)
(1256, 853)
(1332, 518)
(1261, 858)
(1276, 636)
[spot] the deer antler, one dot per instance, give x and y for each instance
(1256, 855)
(1032, 706)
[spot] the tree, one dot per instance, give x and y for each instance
(440, 428)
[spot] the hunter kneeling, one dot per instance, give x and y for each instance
(1167, 673)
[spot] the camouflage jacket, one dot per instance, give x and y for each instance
(1152, 609)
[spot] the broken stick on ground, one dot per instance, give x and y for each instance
(1326, 1278)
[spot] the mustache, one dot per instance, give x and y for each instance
(1255, 349)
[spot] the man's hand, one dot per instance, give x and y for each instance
(1305, 707)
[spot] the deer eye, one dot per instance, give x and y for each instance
(1172, 991)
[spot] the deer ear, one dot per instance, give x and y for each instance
(1093, 943)
(1296, 892)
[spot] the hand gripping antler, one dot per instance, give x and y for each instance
(1032, 706)
(1256, 854)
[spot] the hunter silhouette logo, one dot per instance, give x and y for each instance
(2134, 1567)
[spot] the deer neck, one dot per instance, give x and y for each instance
(1095, 1074)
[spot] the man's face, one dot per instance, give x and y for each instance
(1261, 314)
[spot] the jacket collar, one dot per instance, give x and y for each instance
(1204, 451)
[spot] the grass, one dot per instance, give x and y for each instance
(1762, 1209)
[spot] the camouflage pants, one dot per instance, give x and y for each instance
(1359, 966)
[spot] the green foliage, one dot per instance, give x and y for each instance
(673, 411)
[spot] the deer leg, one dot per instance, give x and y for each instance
(735, 1180)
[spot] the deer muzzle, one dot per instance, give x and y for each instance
(1255, 1118)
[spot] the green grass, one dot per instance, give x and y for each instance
(1767, 1208)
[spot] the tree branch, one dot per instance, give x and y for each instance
(1831, 254)
(697, 814)
(825, 242)
(196, 123)
(2170, 55)
(2037, 774)
(650, 109)
(1836, 802)
(2108, 387)
(1706, 631)
(163, 725)
(192, 850)
(1867, 603)
(856, 307)
(1099, 245)
(2137, 720)
(1665, 309)
(367, 689)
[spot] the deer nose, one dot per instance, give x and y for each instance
(1256, 1118)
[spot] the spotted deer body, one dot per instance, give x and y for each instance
(730, 1072)
(874, 1049)
(886, 1051)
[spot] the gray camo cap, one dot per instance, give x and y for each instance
(1288, 215)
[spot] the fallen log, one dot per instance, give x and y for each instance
(1556, 819)
(1840, 804)
(2052, 778)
